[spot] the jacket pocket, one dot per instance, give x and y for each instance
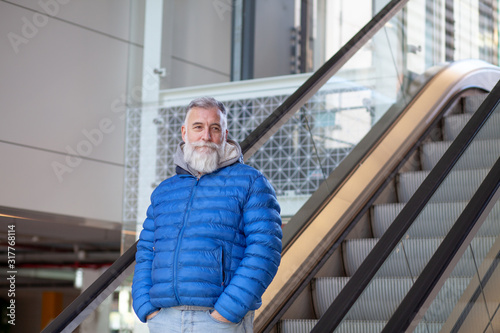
(202, 266)
(220, 259)
(220, 265)
(223, 273)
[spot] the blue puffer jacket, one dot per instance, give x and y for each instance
(213, 241)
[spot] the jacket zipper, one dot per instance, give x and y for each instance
(181, 233)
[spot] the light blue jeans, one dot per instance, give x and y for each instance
(185, 320)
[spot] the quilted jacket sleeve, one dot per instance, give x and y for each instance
(262, 228)
(142, 275)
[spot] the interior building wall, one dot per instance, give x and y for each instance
(196, 42)
(274, 22)
(63, 73)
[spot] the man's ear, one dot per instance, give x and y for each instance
(183, 132)
(227, 135)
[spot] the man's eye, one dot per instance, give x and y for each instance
(217, 129)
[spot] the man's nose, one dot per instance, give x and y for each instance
(206, 135)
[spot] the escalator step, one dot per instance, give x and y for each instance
(459, 185)
(472, 103)
(383, 295)
(296, 325)
(454, 124)
(411, 255)
(435, 220)
(349, 326)
(481, 154)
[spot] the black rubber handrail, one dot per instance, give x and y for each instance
(86, 302)
(444, 260)
(391, 238)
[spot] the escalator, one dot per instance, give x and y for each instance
(398, 273)
(327, 241)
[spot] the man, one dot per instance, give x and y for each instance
(211, 242)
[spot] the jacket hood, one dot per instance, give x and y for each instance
(232, 154)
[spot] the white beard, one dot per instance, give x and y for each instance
(203, 157)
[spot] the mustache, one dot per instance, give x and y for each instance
(204, 144)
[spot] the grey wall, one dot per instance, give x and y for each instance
(62, 78)
(274, 20)
(196, 47)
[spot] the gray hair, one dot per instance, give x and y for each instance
(208, 103)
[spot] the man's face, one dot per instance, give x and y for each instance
(205, 139)
(204, 125)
